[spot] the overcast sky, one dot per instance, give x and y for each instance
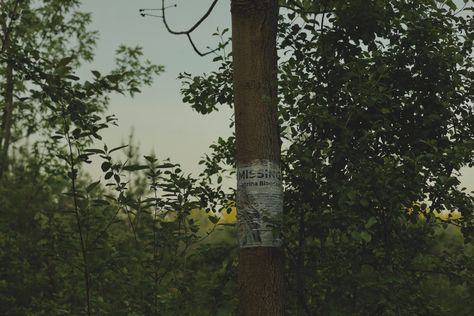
(161, 122)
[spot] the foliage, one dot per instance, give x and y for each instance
(376, 117)
(71, 245)
(146, 253)
(376, 120)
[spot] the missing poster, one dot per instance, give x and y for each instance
(259, 203)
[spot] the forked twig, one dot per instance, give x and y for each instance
(188, 32)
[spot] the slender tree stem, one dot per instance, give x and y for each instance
(7, 120)
(155, 253)
(78, 215)
(300, 268)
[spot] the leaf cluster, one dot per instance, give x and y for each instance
(376, 114)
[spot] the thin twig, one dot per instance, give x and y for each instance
(192, 28)
(76, 212)
(186, 32)
(106, 228)
(460, 10)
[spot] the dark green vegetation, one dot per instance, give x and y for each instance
(72, 246)
(376, 113)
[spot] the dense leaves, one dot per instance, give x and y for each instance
(134, 242)
(376, 121)
(376, 116)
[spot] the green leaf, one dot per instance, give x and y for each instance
(96, 73)
(166, 165)
(94, 150)
(365, 236)
(214, 219)
(134, 167)
(83, 157)
(106, 166)
(72, 77)
(65, 61)
(91, 186)
(451, 5)
(150, 159)
(371, 222)
(117, 148)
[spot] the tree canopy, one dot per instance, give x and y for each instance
(376, 120)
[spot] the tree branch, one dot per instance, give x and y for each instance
(197, 50)
(8, 27)
(188, 31)
(192, 28)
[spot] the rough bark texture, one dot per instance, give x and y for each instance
(254, 26)
(261, 281)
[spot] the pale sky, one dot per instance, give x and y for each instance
(161, 122)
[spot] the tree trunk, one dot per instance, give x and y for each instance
(7, 120)
(259, 187)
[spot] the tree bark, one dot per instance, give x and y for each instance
(8, 105)
(7, 119)
(254, 27)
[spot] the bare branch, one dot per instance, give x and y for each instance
(186, 32)
(192, 28)
(462, 9)
(197, 50)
